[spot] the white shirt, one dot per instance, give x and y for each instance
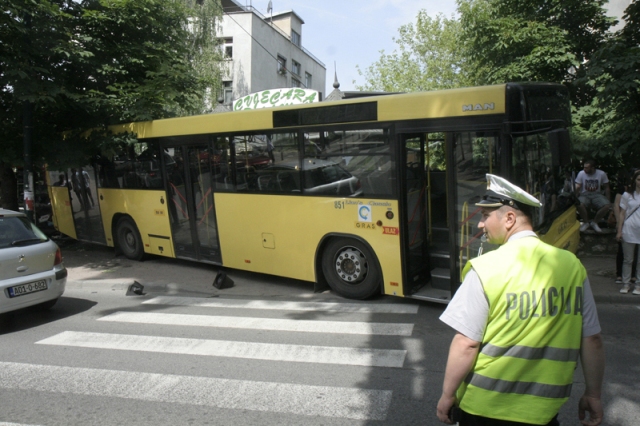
(592, 182)
(468, 311)
(631, 226)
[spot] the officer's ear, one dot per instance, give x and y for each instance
(510, 217)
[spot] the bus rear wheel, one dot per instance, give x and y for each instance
(351, 269)
(128, 239)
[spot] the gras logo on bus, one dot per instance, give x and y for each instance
(364, 213)
(276, 97)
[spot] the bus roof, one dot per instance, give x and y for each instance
(471, 101)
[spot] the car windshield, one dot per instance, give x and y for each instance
(18, 231)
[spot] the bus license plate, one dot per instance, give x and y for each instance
(21, 290)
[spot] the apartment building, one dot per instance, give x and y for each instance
(265, 52)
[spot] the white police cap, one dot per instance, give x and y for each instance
(501, 192)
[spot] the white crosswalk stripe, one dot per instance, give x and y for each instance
(250, 350)
(310, 326)
(368, 308)
(361, 404)
(270, 397)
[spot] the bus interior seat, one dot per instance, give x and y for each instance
(287, 183)
(267, 182)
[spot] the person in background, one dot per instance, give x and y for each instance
(85, 182)
(62, 180)
(523, 315)
(590, 183)
(77, 188)
(629, 232)
(621, 185)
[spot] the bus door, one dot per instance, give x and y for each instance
(475, 154)
(190, 199)
(76, 205)
(426, 236)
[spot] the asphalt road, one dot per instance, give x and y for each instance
(267, 351)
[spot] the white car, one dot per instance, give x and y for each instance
(31, 268)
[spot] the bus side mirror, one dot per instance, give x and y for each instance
(560, 145)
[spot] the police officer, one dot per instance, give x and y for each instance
(523, 315)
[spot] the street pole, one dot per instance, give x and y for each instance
(27, 117)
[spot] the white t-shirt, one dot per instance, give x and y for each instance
(468, 311)
(593, 182)
(631, 226)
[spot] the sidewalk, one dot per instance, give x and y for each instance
(95, 266)
(598, 255)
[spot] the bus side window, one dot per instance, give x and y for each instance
(219, 158)
(267, 163)
(357, 162)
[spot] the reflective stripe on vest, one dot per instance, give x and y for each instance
(526, 352)
(521, 388)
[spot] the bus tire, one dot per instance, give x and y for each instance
(351, 268)
(128, 239)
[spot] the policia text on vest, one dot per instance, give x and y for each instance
(549, 302)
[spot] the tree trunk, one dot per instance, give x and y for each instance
(8, 187)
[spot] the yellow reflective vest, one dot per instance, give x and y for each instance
(524, 370)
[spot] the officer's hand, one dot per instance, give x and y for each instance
(444, 405)
(594, 407)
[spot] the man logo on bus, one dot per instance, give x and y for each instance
(478, 107)
(364, 214)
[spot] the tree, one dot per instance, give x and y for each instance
(93, 63)
(539, 40)
(428, 58)
(608, 126)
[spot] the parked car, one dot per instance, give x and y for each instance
(31, 268)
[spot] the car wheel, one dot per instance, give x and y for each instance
(128, 239)
(351, 269)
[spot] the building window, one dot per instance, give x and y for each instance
(227, 48)
(295, 83)
(228, 92)
(295, 38)
(307, 80)
(282, 65)
(295, 67)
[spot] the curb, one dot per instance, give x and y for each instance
(100, 284)
(124, 284)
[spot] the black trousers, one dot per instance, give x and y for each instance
(473, 420)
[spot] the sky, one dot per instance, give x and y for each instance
(351, 33)
(344, 34)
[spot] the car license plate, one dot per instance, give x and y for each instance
(21, 290)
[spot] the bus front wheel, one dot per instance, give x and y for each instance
(351, 268)
(128, 239)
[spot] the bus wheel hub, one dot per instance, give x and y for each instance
(351, 265)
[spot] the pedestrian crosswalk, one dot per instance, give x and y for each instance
(259, 396)
(263, 351)
(309, 326)
(339, 401)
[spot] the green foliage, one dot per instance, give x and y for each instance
(609, 125)
(539, 40)
(563, 41)
(94, 63)
(81, 65)
(428, 58)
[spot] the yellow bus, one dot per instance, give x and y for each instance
(372, 195)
